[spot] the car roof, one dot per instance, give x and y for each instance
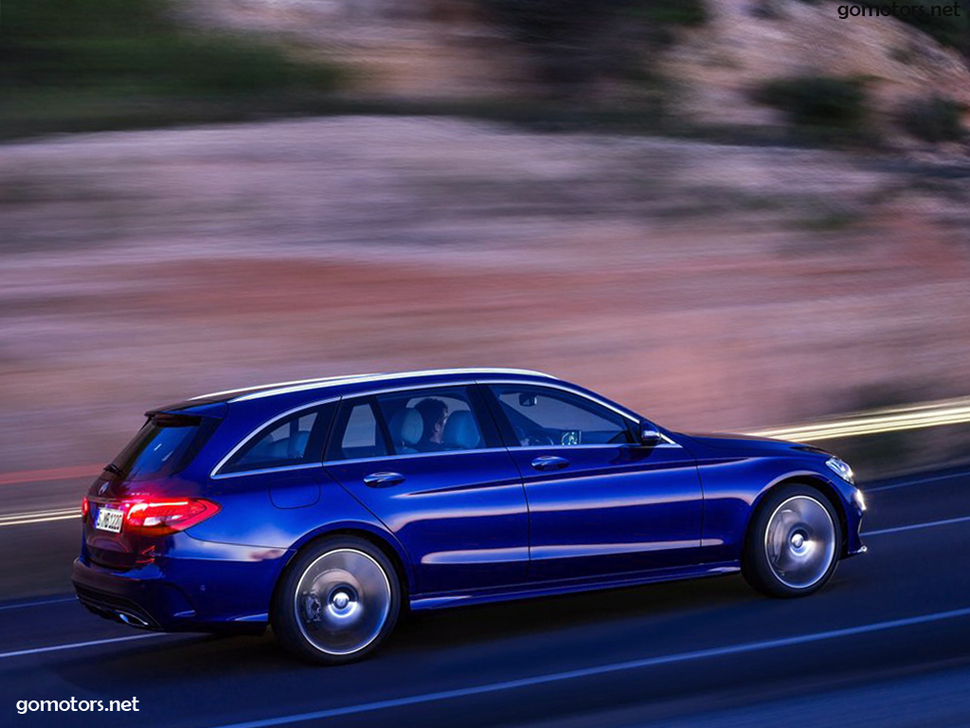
(343, 384)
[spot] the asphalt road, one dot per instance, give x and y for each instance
(887, 643)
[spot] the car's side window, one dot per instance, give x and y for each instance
(542, 416)
(431, 420)
(294, 440)
(356, 433)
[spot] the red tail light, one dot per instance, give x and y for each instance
(85, 508)
(159, 518)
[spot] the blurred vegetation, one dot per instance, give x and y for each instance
(576, 43)
(933, 119)
(825, 107)
(90, 64)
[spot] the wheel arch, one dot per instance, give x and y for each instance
(815, 481)
(365, 531)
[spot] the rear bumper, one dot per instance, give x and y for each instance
(186, 594)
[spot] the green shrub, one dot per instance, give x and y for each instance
(817, 101)
(671, 12)
(933, 119)
(112, 50)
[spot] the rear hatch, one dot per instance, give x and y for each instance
(139, 483)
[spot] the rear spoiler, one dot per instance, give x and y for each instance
(186, 414)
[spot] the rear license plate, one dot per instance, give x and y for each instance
(109, 519)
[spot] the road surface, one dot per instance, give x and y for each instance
(886, 643)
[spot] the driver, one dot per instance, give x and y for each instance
(434, 413)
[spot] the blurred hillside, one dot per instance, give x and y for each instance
(729, 69)
(746, 44)
(700, 62)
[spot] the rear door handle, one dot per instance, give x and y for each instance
(550, 462)
(383, 479)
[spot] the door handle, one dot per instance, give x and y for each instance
(383, 479)
(550, 462)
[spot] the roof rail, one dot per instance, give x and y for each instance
(272, 390)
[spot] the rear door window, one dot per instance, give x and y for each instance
(431, 420)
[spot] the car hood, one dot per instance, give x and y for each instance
(750, 445)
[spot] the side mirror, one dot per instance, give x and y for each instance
(649, 434)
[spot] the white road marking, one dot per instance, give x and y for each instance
(37, 603)
(600, 670)
(916, 526)
(907, 483)
(79, 645)
(55, 514)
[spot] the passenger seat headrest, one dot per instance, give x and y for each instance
(406, 426)
(461, 431)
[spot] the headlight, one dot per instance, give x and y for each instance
(841, 468)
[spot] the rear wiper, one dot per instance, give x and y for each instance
(114, 469)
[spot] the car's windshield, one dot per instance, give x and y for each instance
(162, 447)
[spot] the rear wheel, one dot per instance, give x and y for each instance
(793, 544)
(338, 601)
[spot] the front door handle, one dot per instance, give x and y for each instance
(550, 462)
(383, 479)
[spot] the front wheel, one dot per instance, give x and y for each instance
(793, 544)
(337, 602)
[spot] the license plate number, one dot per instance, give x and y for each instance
(109, 519)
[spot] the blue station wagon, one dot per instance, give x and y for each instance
(326, 507)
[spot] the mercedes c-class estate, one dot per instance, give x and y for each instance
(327, 507)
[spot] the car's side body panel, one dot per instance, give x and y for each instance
(611, 509)
(462, 516)
(736, 474)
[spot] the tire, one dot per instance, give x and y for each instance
(337, 602)
(793, 543)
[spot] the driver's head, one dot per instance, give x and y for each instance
(434, 413)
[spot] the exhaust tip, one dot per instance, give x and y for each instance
(132, 620)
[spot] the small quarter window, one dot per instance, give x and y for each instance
(295, 440)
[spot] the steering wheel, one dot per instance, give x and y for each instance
(532, 437)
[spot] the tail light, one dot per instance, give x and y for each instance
(85, 508)
(160, 518)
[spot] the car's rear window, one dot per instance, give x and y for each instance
(165, 445)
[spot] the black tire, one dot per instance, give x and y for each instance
(793, 542)
(337, 601)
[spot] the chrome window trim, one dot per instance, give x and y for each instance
(411, 455)
(216, 475)
(480, 450)
(261, 471)
(595, 446)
